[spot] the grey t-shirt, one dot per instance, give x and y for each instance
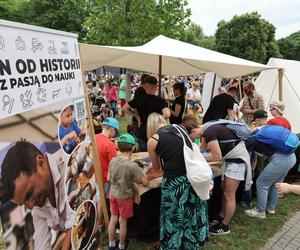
(123, 172)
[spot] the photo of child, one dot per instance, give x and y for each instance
(70, 131)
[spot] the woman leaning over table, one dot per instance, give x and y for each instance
(183, 216)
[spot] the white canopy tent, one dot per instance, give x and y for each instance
(268, 85)
(177, 58)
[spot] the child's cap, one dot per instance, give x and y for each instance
(112, 122)
(127, 138)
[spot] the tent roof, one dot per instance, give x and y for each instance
(267, 85)
(179, 58)
(40, 124)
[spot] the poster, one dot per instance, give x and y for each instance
(49, 198)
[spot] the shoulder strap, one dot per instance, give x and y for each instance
(250, 104)
(154, 138)
(183, 134)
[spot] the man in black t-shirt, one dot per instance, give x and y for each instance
(221, 106)
(140, 91)
(141, 107)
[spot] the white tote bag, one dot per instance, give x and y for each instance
(198, 171)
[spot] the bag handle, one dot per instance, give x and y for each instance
(182, 133)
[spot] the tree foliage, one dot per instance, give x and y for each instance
(290, 46)
(247, 36)
(134, 22)
(194, 35)
(67, 15)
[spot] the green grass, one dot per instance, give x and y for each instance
(2, 245)
(123, 123)
(247, 233)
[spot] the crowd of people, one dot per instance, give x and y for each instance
(230, 133)
(150, 114)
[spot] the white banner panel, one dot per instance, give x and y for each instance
(38, 67)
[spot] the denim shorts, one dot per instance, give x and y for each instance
(234, 170)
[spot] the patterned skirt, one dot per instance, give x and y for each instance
(183, 216)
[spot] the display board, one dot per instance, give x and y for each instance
(49, 195)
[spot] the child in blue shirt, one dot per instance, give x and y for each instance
(69, 132)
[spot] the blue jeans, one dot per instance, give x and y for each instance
(274, 172)
(113, 106)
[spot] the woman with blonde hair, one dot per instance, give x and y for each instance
(183, 215)
(277, 111)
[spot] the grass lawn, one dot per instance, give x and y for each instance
(247, 233)
(2, 246)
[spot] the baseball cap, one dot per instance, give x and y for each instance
(258, 114)
(112, 122)
(127, 138)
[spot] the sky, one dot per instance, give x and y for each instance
(283, 14)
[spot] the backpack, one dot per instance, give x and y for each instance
(279, 138)
(241, 130)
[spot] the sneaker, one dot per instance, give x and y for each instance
(245, 204)
(254, 213)
(270, 210)
(219, 229)
(216, 220)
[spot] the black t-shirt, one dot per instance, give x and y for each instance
(170, 150)
(218, 107)
(140, 91)
(181, 101)
(145, 105)
(254, 145)
(222, 133)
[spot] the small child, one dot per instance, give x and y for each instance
(122, 173)
(69, 132)
(105, 112)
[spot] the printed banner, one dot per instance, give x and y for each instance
(36, 68)
(48, 189)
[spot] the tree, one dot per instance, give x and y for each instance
(66, 15)
(247, 36)
(135, 22)
(194, 35)
(10, 10)
(290, 46)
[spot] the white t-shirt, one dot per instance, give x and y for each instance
(194, 94)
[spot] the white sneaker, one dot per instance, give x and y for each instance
(254, 213)
(270, 210)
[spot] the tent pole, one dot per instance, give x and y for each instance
(97, 166)
(159, 75)
(213, 88)
(240, 89)
(280, 76)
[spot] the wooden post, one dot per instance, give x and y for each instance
(159, 75)
(280, 76)
(240, 89)
(97, 166)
